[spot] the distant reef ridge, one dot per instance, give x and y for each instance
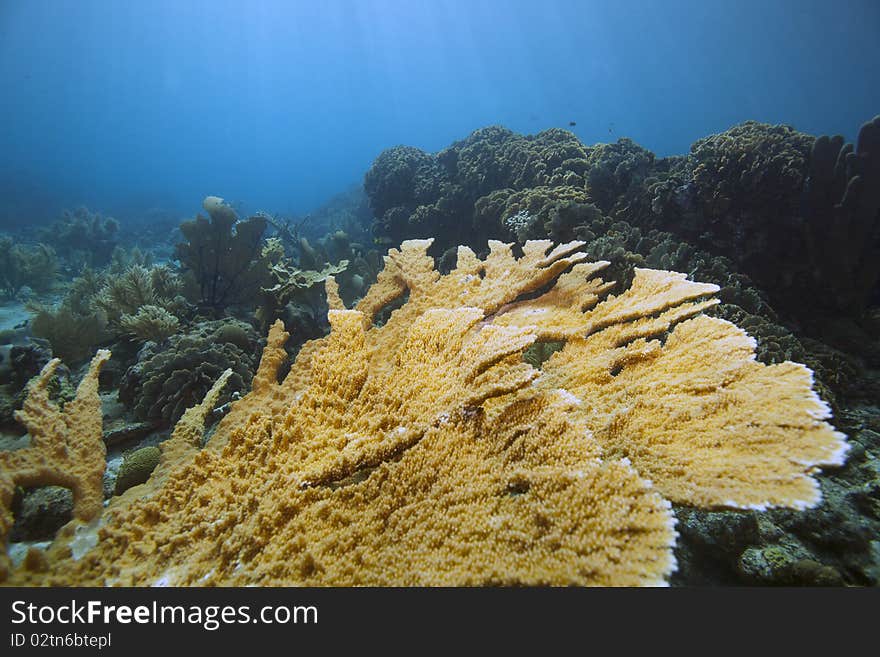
(797, 214)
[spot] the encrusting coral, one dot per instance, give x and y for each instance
(426, 451)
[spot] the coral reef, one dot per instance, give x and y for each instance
(138, 300)
(426, 451)
(169, 378)
(753, 171)
(762, 262)
(400, 180)
(136, 468)
(758, 210)
(842, 223)
(222, 256)
(83, 238)
(536, 212)
(73, 336)
(489, 415)
(413, 193)
(615, 172)
(21, 266)
(66, 448)
(799, 215)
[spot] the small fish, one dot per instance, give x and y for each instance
(572, 123)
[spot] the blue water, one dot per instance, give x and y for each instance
(126, 106)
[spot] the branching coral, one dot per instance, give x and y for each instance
(73, 336)
(83, 236)
(223, 255)
(426, 451)
(66, 447)
(145, 304)
(150, 323)
(32, 266)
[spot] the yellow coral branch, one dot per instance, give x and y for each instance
(426, 451)
(66, 446)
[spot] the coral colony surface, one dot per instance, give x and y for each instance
(519, 361)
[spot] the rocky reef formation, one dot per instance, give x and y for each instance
(413, 193)
(427, 451)
(800, 216)
(788, 226)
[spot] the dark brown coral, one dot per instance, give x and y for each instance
(842, 225)
(223, 256)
